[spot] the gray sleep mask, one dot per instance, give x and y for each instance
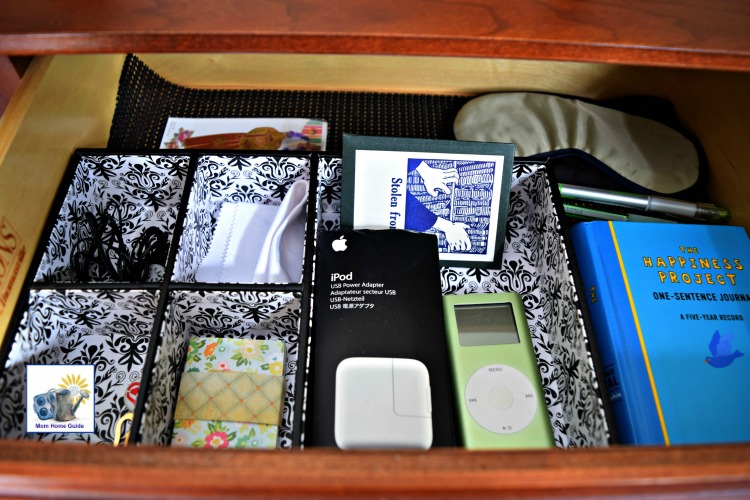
(641, 151)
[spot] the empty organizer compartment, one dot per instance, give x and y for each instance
(109, 329)
(116, 221)
(535, 264)
(210, 315)
(245, 220)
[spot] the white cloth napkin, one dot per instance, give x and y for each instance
(280, 259)
(256, 243)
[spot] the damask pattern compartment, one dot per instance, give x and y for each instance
(258, 183)
(117, 219)
(230, 314)
(109, 329)
(536, 264)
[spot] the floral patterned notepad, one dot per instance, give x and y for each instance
(234, 390)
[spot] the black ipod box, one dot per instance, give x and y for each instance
(376, 294)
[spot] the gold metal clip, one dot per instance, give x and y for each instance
(119, 427)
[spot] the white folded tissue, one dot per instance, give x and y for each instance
(256, 243)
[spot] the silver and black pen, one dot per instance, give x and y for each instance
(648, 203)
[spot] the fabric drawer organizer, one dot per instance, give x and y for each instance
(79, 307)
(139, 331)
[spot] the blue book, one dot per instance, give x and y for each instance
(670, 310)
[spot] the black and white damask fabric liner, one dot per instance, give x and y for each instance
(228, 314)
(109, 329)
(535, 264)
(137, 193)
(223, 180)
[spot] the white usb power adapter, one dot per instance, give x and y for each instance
(383, 403)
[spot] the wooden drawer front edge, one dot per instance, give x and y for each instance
(34, 470)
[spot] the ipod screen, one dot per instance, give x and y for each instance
(486, 324)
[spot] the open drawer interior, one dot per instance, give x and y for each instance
(712, 105)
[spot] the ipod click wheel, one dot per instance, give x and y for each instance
(498, 388)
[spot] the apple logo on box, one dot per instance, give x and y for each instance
(339, 245)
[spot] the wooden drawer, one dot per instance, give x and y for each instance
(67, 102)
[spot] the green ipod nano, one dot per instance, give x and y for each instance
(498, 389)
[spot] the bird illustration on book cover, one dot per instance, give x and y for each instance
(722, 352)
